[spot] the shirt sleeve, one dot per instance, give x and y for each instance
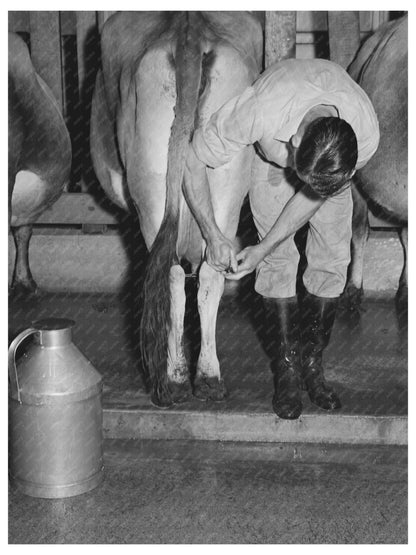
(235, 125)
(368, 144)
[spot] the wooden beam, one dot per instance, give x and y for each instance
(375, 221)
(83, 208)
(344, 36)
(45, 43)
(280, 36)
(78, 209)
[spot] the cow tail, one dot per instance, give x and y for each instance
(156, 318)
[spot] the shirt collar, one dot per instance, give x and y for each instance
(287, 131)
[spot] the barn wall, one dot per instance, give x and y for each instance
(104, 262)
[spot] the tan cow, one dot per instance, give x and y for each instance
(163, 74)
(39, 155)
(380, 68)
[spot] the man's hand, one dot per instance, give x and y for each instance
(248, 260)
(220, 254)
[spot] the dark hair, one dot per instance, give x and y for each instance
(327, 155)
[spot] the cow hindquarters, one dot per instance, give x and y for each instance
(208, 384)
(104, 148)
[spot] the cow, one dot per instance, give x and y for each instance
(163, 74)
(380, 68)
(39, 155)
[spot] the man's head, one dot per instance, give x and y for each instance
(327, 155)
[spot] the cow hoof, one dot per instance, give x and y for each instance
(162, 400)
(210, 389)
(401, 298)
(351, 300)
(20, 290)
(180, 392)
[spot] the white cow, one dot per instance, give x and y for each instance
(163, 75)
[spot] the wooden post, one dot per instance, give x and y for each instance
(280, 36)
(378, 19)
(102, 18)
(19, 22)
(86, 25)
(87, 56)
(344, 36)
(45, 43)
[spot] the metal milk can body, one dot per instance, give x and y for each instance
(55, 418)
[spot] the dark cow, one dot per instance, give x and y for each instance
(380, 67)
(39, 154)
(163, 74)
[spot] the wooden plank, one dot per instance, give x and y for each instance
(375, 221)
(366, 21)
(78, 209)
(68, 23)
(46, 50)
(280, 36)
(310, 22)
(379, 17)
(87, 57)
(344, 36)
(86, 25)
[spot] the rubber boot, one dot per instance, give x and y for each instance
(283, 325)
(318, 315)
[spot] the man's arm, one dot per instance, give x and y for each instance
(299, 210)
(220, 251)
(235, 125)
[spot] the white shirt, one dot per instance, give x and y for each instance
(270, 111)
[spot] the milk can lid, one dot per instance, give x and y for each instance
(49, 324)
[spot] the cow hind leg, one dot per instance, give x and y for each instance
(22, 282)
(177, 368)
(353, 292)
(208, 384)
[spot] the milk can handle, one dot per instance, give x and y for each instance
(14, 382)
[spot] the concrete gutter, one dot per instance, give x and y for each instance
(256, 427)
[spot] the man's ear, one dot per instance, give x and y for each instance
(296, 139)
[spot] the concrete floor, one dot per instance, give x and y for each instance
(366, 359)
(216, 492)
(208, 492)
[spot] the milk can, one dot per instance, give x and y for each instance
(55, 414)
